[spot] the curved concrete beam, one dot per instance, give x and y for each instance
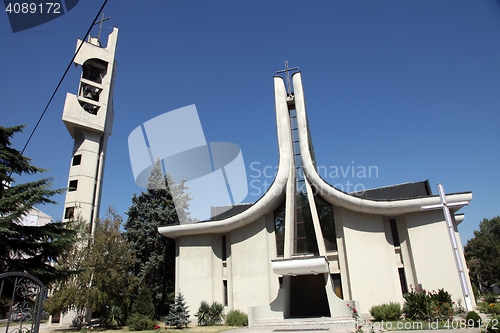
(339, 198)
(274, 195)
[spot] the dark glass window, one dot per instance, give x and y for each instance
(69, 213)
(327, 223)
(304, 237)
(394, 232)
(224, 249)
(402, 280)
(224, 284)
(77, 159)
(73, 185)
(337, 285)
(279, 228)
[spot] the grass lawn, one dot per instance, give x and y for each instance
(189, 329)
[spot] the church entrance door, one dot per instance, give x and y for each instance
(308, 296)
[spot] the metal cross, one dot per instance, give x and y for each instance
(287, 71)
(445, 206)
(100, 26)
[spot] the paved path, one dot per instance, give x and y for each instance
(309, 329)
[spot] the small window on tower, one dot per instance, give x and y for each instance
(69, 213)
(77, 159)
(226, 298)
(224, 249)
(73, 184)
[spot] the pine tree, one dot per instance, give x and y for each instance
(143, 303)
(155, 254)
(178, 315)
(31, 249)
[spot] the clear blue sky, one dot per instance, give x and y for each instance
(411, 87)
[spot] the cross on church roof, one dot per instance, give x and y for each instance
(100, 26)
(287, 71)
(445, 206)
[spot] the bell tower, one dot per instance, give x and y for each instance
(88, 116)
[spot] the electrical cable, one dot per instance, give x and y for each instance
(62, 78)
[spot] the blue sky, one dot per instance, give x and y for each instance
(409, 87)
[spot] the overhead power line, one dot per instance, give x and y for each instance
(63, 76)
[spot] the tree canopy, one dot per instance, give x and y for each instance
(31, 249)
(155, 254)
(482, 254)
(106, 262)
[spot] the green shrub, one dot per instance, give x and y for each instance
(210, 315)
(178, 315)
(203, 314)
(441, 296)
(420, 305)
(386, 312)
(494, 309)
(113, 317)
(143, 303)
(473, 317)
(140, 322)
(417, 305)
(490, 298)
(236, 318)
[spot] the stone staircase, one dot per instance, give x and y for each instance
(337, 324)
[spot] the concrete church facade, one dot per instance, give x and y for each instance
(306, 249)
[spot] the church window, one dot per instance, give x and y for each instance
(304, 238)
(327, 223)
(337, 285)
(224, 284)
(402, 280)
(224, 249)
(77, 159)
(73, 185)
(279, 228)
(394, 232)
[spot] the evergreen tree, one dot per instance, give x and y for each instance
(155, 254)
(31, 249)
(178, 315)
(143, 303)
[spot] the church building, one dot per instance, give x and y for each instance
(307, 249)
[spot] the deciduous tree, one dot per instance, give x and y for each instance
(106, 279)
(482, 253)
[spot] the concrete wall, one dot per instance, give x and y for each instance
(200, 270)
(253, 281)
(371, 261)
(195, 270)
(432, 253)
